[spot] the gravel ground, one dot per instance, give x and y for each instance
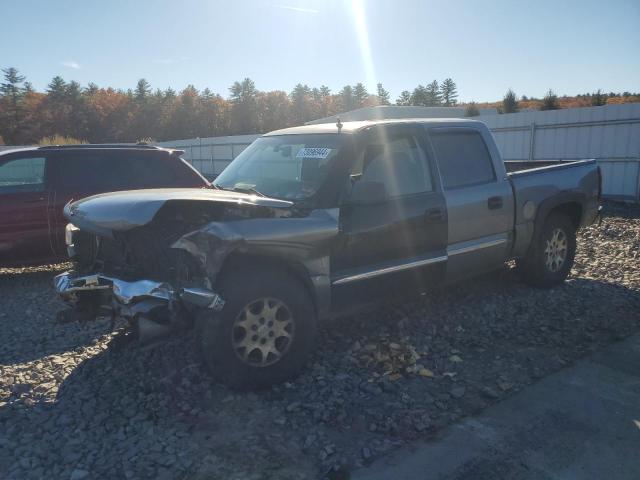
(74, 404)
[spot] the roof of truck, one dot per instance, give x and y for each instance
(353, 127)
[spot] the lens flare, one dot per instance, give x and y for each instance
(360, 19)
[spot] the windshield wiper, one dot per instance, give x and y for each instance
(248, 190)
(240, 190)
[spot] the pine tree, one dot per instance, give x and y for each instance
(57, 89)
(432, 93)
(244, 112)
(509, 102)
(383, 95)
(11, 95)
(404, 99)
(420, 97)
(207, 94)
(11, 85)
(143, 89)
(91, 89)
(301, 104)
(360, 95)
(550, 101)
(346, 98)
(448, 93)
(324, 91)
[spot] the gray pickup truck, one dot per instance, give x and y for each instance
(316, 221)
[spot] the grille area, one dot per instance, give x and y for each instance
(140, 253)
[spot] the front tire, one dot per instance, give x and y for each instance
(264, 333)
(551, 256)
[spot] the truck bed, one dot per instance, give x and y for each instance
(540, 183)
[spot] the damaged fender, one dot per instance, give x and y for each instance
(304, 241)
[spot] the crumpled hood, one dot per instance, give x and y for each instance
(121, 211)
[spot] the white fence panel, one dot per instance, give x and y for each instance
(610, 134)
(211, 155)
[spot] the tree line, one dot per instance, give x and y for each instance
(98, 115)
(68, 111)
(551, 101)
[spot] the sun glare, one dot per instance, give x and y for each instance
(359, 17)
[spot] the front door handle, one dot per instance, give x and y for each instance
(434, 215)
(494, 203)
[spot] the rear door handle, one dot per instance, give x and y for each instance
(434, 215)
(494, 203)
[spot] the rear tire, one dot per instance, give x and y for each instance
(551, 256)
(264, 333)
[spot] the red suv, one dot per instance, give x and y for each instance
(36, 183)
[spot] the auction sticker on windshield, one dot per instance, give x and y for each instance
(314, 152)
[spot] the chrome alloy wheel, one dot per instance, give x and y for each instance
(263, 331)
(556, 250)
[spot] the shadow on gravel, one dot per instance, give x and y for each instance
(28, 327)
(148, 412)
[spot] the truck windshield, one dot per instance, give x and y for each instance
(290, 167)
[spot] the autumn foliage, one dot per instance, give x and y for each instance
(68, 112)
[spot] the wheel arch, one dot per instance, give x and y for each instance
(247, 261)
(567, 203)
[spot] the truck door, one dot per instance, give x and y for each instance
(24, 195)
(396, 245)
(479, 201)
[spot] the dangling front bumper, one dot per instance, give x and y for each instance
(131, 299)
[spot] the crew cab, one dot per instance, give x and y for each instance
(36, 183)
(315, 221)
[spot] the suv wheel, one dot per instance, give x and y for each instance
(550, 258)
(263, 334)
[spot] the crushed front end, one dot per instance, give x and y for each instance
(131, 259)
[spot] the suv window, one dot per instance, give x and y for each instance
(22, 175)
(463, 158)
(398, 162)
(111, 171)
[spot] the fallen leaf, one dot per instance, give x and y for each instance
(455, 359)
(504, 386)
(395, 376)
(425, 372)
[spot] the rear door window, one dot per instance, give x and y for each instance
(22, 175)
(148, 171)
(463, 158)
(108, 171)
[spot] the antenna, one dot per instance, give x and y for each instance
(339, 125)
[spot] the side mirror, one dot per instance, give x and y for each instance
(367, 193)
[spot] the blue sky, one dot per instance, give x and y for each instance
(486, 46)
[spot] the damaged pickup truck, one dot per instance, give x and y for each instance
(315, 221)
